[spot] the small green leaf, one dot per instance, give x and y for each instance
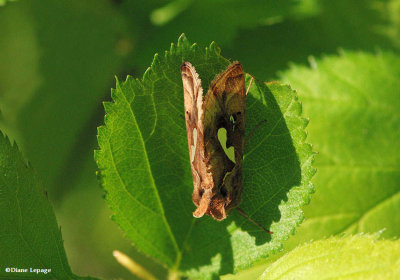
(353, 101)
(30, 237)
(145, 169)
(355, 257)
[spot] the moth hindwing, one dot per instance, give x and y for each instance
(217, 180)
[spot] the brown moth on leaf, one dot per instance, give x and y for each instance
(217, 179)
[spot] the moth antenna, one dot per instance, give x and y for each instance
(253, 130)
(241, 212)
(248, 88)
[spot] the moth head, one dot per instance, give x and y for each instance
(211, 203)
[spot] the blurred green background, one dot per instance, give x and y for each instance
(59, 59)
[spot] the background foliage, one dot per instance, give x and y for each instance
(57, 64)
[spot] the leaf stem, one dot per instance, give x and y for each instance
(173, 275)
(135, 268)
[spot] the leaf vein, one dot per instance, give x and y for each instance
(174, 243)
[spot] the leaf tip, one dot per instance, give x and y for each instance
(146, 74)
(183, 42)
(182, 39)
(214, 48)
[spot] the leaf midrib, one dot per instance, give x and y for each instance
(131, 227)
(172, 237)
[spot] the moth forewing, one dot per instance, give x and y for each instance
(193, 94)
(193, 100)
(216, 179)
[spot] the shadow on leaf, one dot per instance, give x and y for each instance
(270, 166)
(270, 169)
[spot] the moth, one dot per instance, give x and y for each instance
(217, 180)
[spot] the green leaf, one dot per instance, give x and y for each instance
(355, 257)
(56, 73)
(251, 273)
(145, 169)
(353, 100)
(30, 237)
(355, 25)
